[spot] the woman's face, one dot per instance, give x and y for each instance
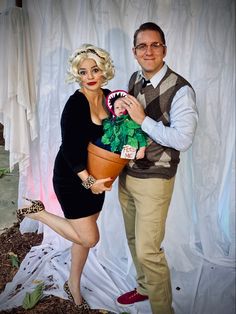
(90, 74)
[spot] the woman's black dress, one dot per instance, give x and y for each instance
(77, 131)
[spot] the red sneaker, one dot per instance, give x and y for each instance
(130, 298)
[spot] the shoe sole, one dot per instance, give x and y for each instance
(127, 305)
(124, 305)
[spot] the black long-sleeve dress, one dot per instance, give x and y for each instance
(77, 130)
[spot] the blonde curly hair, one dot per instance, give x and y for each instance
(99, 55)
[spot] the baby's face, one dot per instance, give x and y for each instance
(119, 107)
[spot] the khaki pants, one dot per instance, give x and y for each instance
(145, 205)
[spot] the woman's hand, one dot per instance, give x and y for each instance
(99, 186)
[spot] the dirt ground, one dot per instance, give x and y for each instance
(11, 240)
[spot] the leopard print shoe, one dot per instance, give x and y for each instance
(36, 207)
(82, 308)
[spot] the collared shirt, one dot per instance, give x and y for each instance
(183, 118)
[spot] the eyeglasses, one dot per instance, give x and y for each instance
(142, 48)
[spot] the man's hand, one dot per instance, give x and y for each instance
(134, 108)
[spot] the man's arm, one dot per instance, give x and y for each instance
(183, 122)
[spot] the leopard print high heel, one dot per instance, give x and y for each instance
(37, 206)
(83, 307)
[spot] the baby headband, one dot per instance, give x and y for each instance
(89, 50)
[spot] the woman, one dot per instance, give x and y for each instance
(81, 196)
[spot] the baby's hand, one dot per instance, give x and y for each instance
(140, 153)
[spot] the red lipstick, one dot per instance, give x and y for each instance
(91, 83)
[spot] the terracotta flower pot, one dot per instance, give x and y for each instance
(103, 163)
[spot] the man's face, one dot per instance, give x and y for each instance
(148, 53)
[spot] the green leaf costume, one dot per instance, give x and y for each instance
(120, 131)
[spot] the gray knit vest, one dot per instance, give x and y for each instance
(159, 161)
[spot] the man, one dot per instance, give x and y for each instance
(163, 103)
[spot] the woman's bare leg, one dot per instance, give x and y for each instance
(82, 231)
(84, 234)
(79, 256)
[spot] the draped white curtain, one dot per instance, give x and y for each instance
(200, 232)
(17, 89)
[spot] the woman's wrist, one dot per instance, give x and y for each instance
(87, 184)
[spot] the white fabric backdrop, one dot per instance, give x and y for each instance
(200, 233)
(17, 91)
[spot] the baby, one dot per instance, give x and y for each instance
(120, 131)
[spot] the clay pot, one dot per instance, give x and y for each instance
(104, 164)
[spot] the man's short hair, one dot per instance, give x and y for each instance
(149, 26)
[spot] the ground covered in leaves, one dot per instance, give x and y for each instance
(12, 241)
